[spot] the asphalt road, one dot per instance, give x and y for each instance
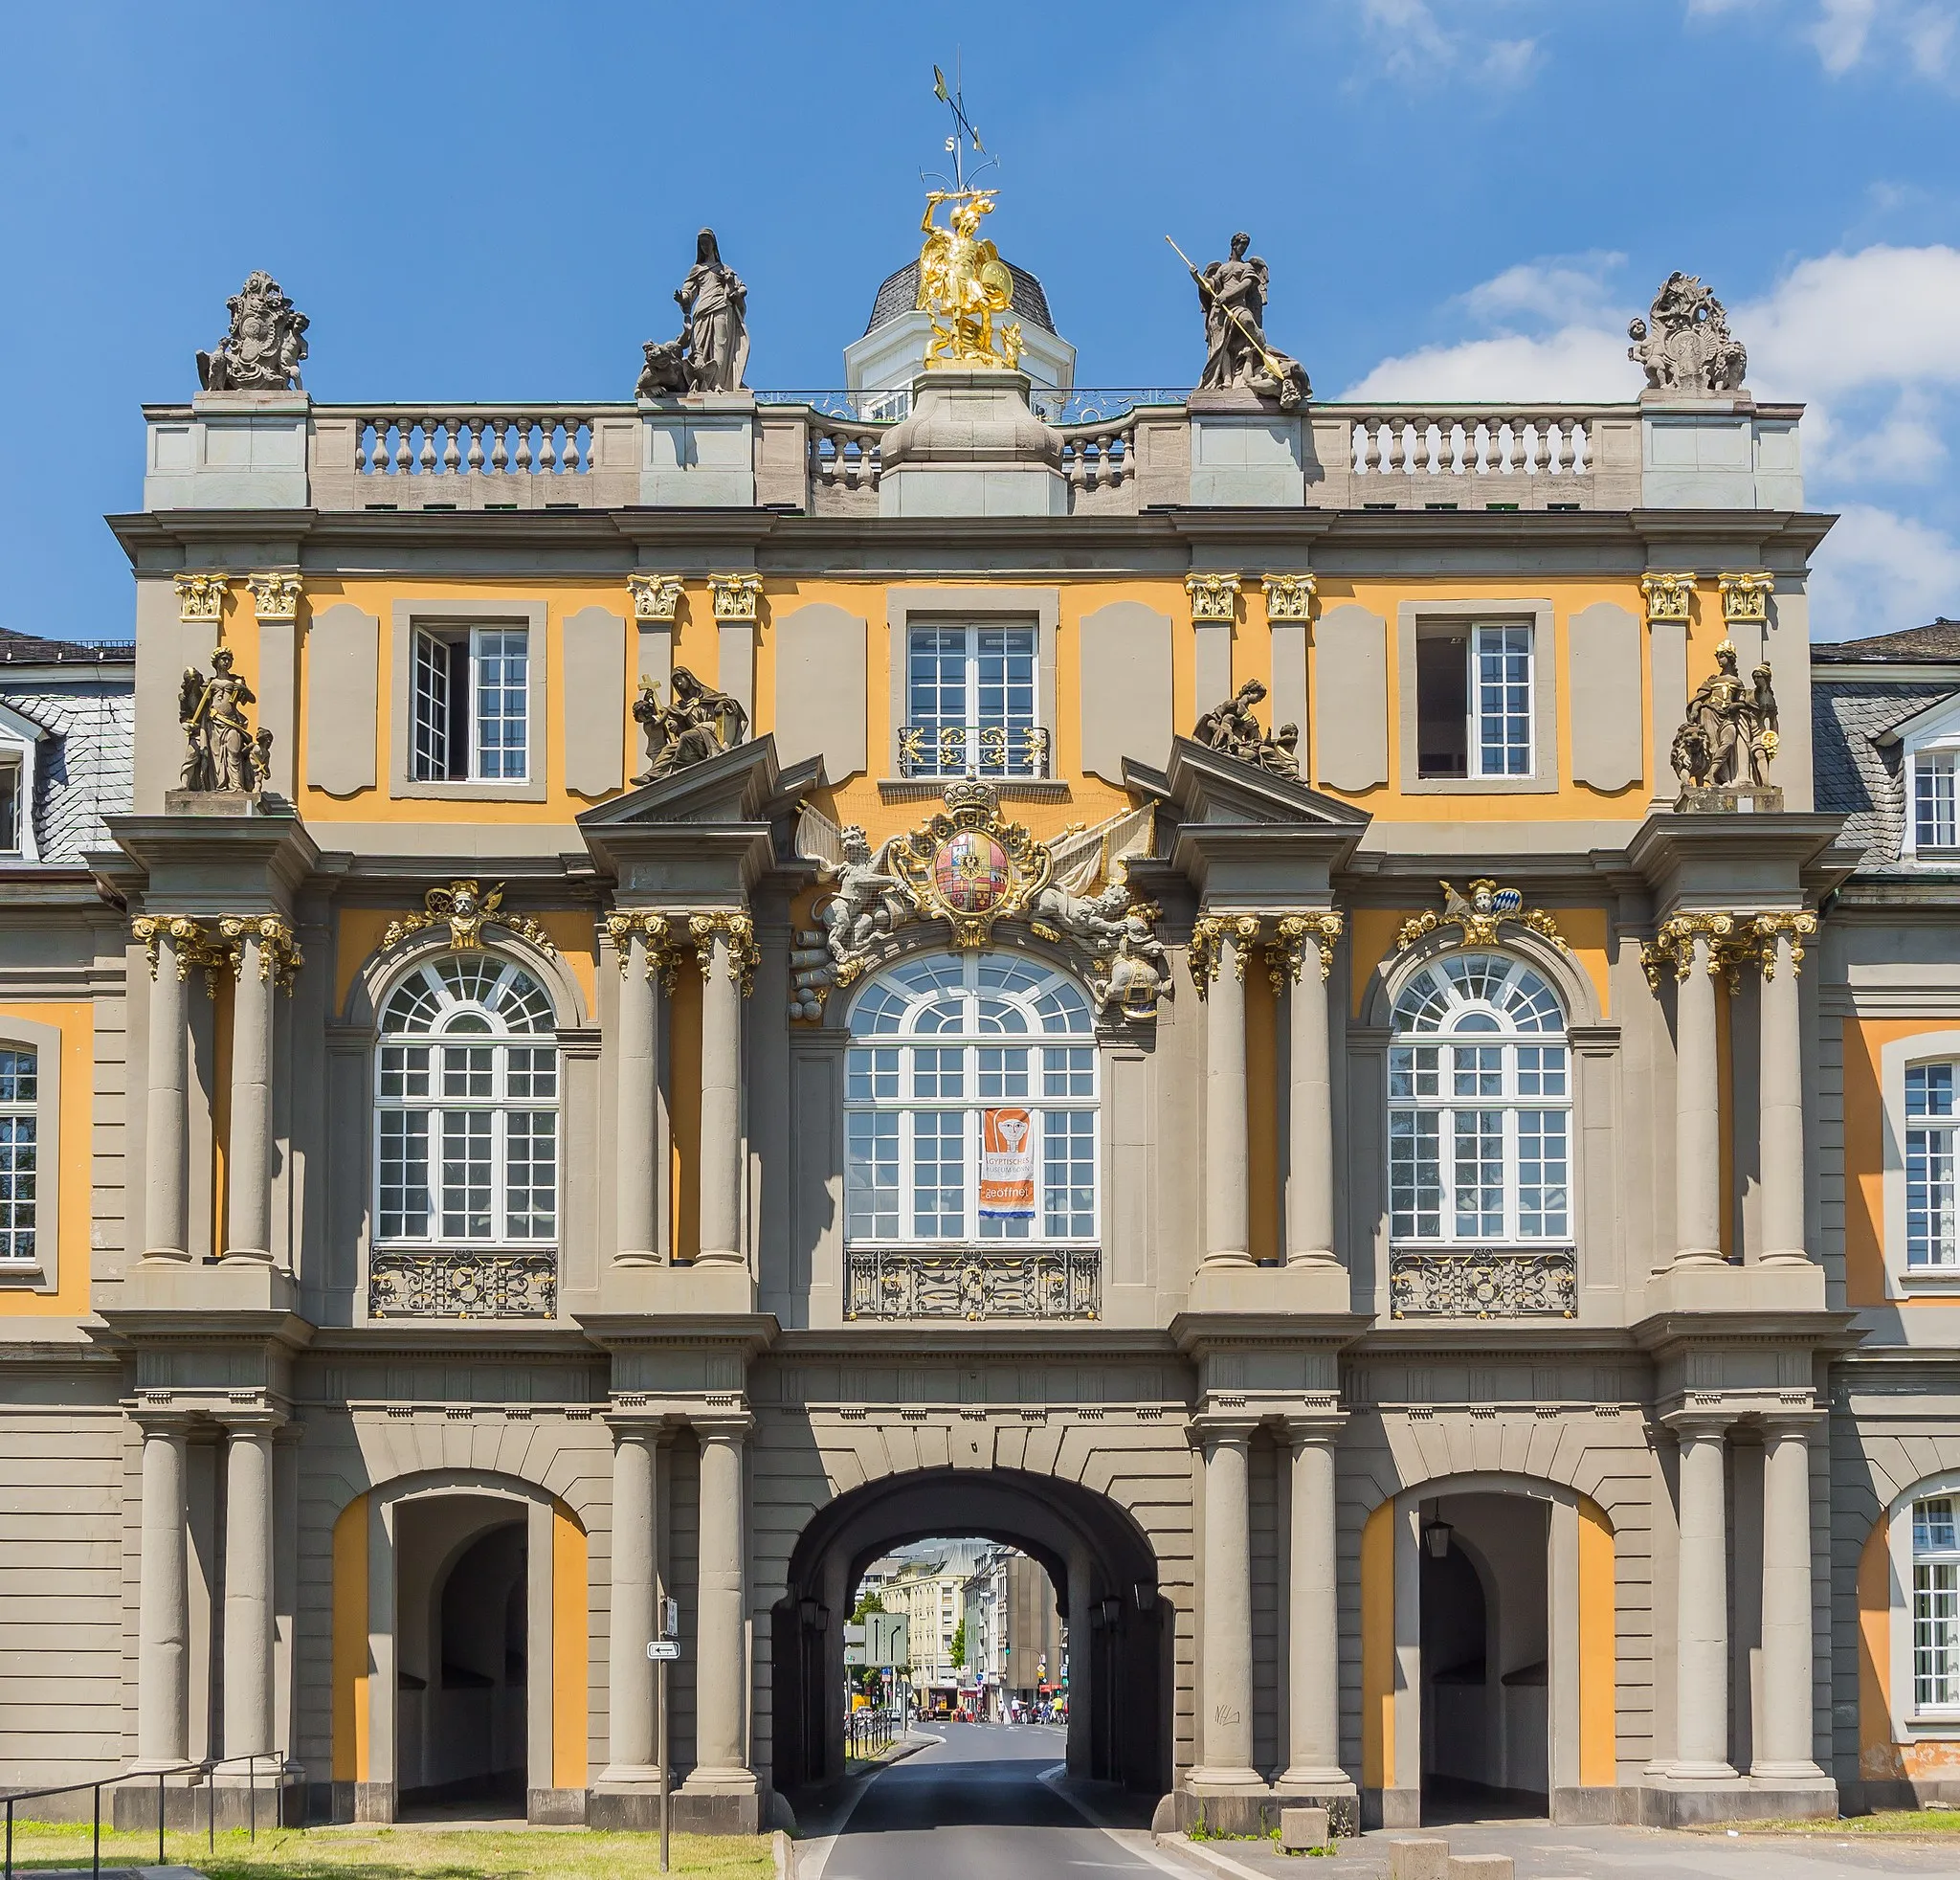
(973, 1807)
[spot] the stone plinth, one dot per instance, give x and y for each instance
(1245, 451)
(236, 450)
(699, 450)
(971, 447)
(213, 802)
(1730, 799)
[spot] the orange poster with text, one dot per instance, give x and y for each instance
(1007, 1165)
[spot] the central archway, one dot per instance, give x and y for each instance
(1104, 1574)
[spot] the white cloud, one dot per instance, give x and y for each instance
(1416, 46)
(1879, 572)
(1868, 339)
(1846, 35)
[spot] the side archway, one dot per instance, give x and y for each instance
(1104, 1573)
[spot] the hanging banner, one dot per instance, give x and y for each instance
(1007, 1165)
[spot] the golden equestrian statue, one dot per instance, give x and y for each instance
(962, 283)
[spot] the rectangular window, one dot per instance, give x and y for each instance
(1935, 1605)
(1930, 1125)
(1472, 700)
(19, 1092)
(1934, 826)
(471, 711)
(10, 809)
(971, 702)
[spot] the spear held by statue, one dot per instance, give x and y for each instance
(1271, 363)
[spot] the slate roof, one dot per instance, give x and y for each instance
(86, 769)
(1856, 777)
(1941, 640)
(18, 649)
(899, 294)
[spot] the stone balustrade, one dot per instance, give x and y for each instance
(824, 455)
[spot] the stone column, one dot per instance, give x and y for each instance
(248, 1587)
(1701, 1695)
(722, 985)
(636, 1162)
(1785, 1732)
(162, 1608)
(1781, 1112)
(1228, 1230)
(1697, 1105)
(722, 1676)
(635, 1572)
(248, 1152)
(1313, 1627)
(1309, 941)
(166, 1213)
(1226, 1593)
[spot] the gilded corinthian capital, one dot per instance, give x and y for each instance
(1674, 943)
(622, 926)
(1800, 923)
(737, 931)
(1208, 933)
(279, 957)
(1286, 952)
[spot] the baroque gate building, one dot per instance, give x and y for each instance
(695, 989)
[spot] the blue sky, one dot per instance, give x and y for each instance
(1455, 197)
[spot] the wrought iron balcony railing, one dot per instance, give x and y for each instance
(957, 750)
(967, 1282)
(405, 1283)
(1483, 1283)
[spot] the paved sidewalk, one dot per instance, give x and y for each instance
(1543, 1853)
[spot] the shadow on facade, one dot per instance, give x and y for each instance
(1104, 1574)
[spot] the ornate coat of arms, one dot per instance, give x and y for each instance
(970, 866)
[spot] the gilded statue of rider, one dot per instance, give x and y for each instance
(962, 283)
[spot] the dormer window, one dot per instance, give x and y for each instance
(1933, 776)
(19, 745)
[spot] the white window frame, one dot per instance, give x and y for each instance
(1507, 1099)
(1536, 614)
(499, 1043)
(409, 621)
(43, 1272)
(1911, 1722)
(21, 743)
(1897, 1059)
(1016, 758)
(909, 1105)
(1475, 684)
(1933, 731)
(485, 644)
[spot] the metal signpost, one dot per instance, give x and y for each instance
(663, 1651)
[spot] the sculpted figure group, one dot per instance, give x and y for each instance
(220, 750)
(711, 354)
(263, 348)
(1232, 729)
(1729, 735)
(1685, 343)
(696, 723)
(1232, 293)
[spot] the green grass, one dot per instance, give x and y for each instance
(411, 1853)
(1941, 1822)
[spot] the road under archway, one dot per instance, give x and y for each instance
(1104, 1573)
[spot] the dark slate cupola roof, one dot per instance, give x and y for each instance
(899, 294)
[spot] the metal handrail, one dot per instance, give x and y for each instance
(208, 1767)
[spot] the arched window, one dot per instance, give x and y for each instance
(466, 1087)
(1480, 1107)
(970, 1105)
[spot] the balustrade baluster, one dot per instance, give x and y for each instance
(404, 449)
(1453, 453)
(475, 458)
(1534, 462)
(360, 447)
(500, 457)
(1581, 442)
(1480, 447)
(523, 442)
(547, 455)
(571, 465)
(452, 457)
(425, 457)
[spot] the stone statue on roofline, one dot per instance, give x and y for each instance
(711, 354)
(1685, 343)
(263, 349)
(1232, 729)
(1232, 293)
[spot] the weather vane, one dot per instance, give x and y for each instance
(955, 101)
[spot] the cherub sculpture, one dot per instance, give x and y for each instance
(870, 903)
(1685, 343)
